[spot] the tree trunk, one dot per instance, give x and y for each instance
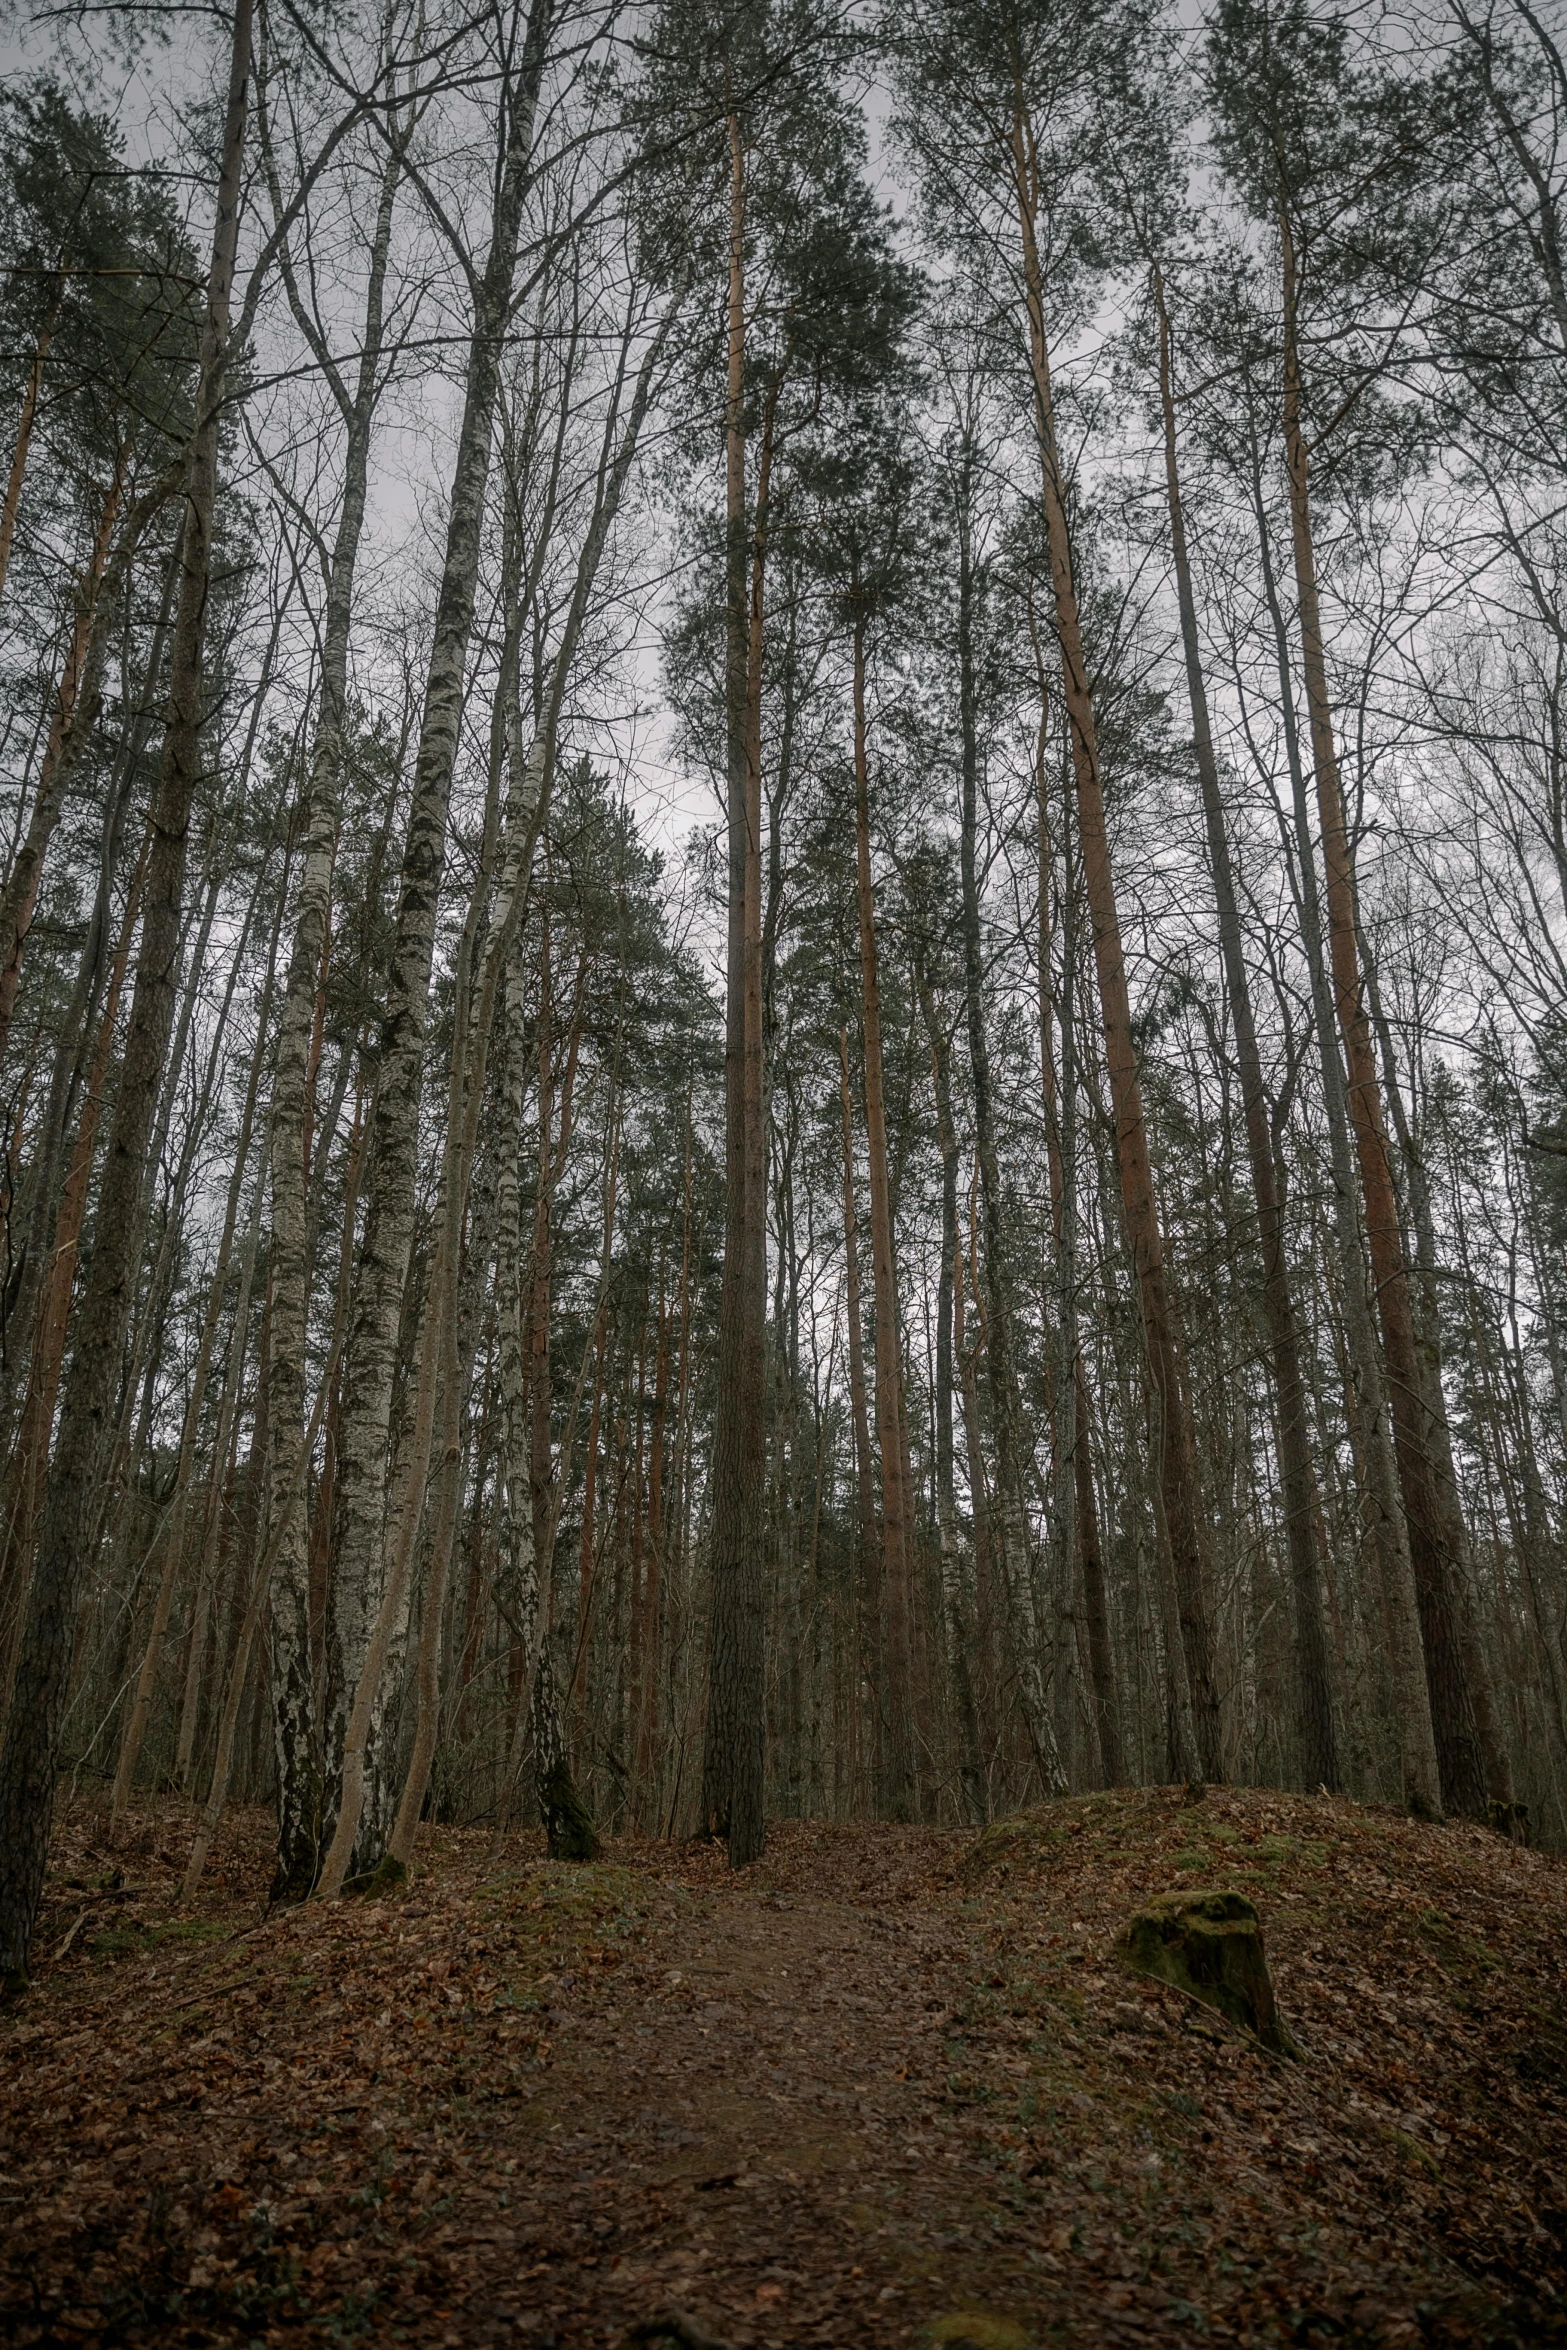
(294, 1727)
(898, 1788)
(70, 718)
(1181, 1507)
(956, 1602)
(30, 1455)
(734, 1758)
(1469, 1776)
(29, 416)
(868, 1580)
(392, 1164)
(1076, 1507)
(1365, 1398)
(174, 1534)
(1313, 1665)
(30, 1758)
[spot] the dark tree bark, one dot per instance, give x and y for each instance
(1474, 1763)
(1312, 1655)
(30, 1759)
(734, 1756)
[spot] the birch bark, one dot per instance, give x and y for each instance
(358, 1581)
(294, 1728)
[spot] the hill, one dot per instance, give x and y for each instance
(888, 2086)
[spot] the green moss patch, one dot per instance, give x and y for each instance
(973, 2329)
(1209, 1945)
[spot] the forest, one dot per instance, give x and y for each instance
(783, 940)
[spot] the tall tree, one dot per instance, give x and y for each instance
(30, 1758)
(998, 114)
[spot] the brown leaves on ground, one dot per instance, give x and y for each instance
(884, 2087)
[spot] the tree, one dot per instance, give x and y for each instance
(29, 1760)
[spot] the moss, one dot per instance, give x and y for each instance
(195, 1930)
(118, 1942)
(129, 1941)
(973, 2329)
(1003, 1842)
(388, 1876)
(1413, 2152)
(1209, 1945)
(1458, 1952)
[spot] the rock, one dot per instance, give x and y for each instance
(1210, 1946)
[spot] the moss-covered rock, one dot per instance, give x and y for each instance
(1210, 1946)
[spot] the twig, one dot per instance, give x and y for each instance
(72, 1931)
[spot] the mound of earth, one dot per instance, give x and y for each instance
(888, 2086)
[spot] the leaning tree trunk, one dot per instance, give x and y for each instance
(508, 853)
(30, 1758)
(1428, 1338)
(140, 1713)
(1473, 1769)
(1366, 1403)
(1180, 1503)
(28, 418)
(1313, 1663)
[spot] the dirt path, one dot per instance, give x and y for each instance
(868, 2092)
(741, 2129)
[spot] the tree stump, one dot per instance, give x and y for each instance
(1209, 1945)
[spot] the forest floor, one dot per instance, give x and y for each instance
(884, 2087)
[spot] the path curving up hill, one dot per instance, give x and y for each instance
(886, 2087)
